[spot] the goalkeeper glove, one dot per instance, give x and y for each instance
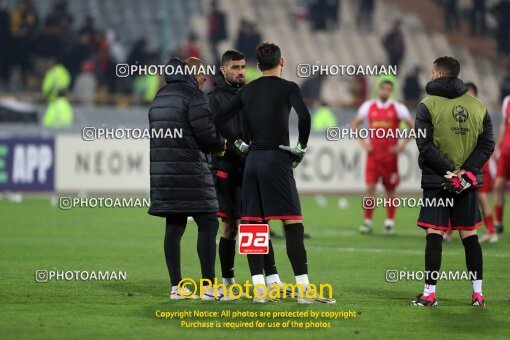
(458, 184)
(297, 153)
(241, 146)
(222, 152)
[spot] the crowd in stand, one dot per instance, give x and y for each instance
(476, 16)
(32, 44)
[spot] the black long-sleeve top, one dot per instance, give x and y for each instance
(266, 102)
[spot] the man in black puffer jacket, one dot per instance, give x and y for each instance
(181, 180)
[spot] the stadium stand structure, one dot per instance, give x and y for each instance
(276, 21)
(133, 19)
(347, 45)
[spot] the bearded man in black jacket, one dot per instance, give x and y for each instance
(228, 168)
(180, 171)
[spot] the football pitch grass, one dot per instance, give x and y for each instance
(35, 235)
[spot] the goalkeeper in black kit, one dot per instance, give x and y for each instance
(228, 168)
(269, 190)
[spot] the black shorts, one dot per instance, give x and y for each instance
(269, 188)
(228, 181)
(464, 215)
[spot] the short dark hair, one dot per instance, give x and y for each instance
(231, 55)
(386, 81)
(268, 55)
(473, 87)
(448, 64)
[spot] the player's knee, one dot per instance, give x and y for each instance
(370, 189)
(287, 222)
(466, 233)
(486, 207)
(207, 225)
(229, 230)
(174, 231)
(230, 234)
(499, 184)
(434, 231)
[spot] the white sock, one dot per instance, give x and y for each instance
(429, 289)
(302, 280)
(301, 283)
(258, 279)
(273, 278)
(477, 286)
(368, 221)
(175, 288)
(389, 222)
(228, 282)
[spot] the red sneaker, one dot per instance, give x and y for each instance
(425, 301)
(477, 300)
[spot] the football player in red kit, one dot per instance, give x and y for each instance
(384, 116)
(483, 197)
(503, 172)
(483, 193)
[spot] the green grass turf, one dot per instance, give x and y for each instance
(35, 235)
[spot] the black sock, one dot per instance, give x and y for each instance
(255, 261)
(175, 227)
(256, 264)
(474, 257)
(269, 261)
(206, 243)
(433, 251)
(294, 238)
(227, 252)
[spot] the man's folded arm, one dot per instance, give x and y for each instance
(429, 153)
(484, 148)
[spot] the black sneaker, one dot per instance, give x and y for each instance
(425, 301)
(499, 228)
(388, 229)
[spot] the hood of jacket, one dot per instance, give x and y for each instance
(179, 74)
(447, 87)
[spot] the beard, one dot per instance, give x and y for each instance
(235, 82)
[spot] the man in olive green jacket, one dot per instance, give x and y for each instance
(457, 142)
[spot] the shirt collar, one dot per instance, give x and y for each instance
(384, 105)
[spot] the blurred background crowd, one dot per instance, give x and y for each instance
(69, 49)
